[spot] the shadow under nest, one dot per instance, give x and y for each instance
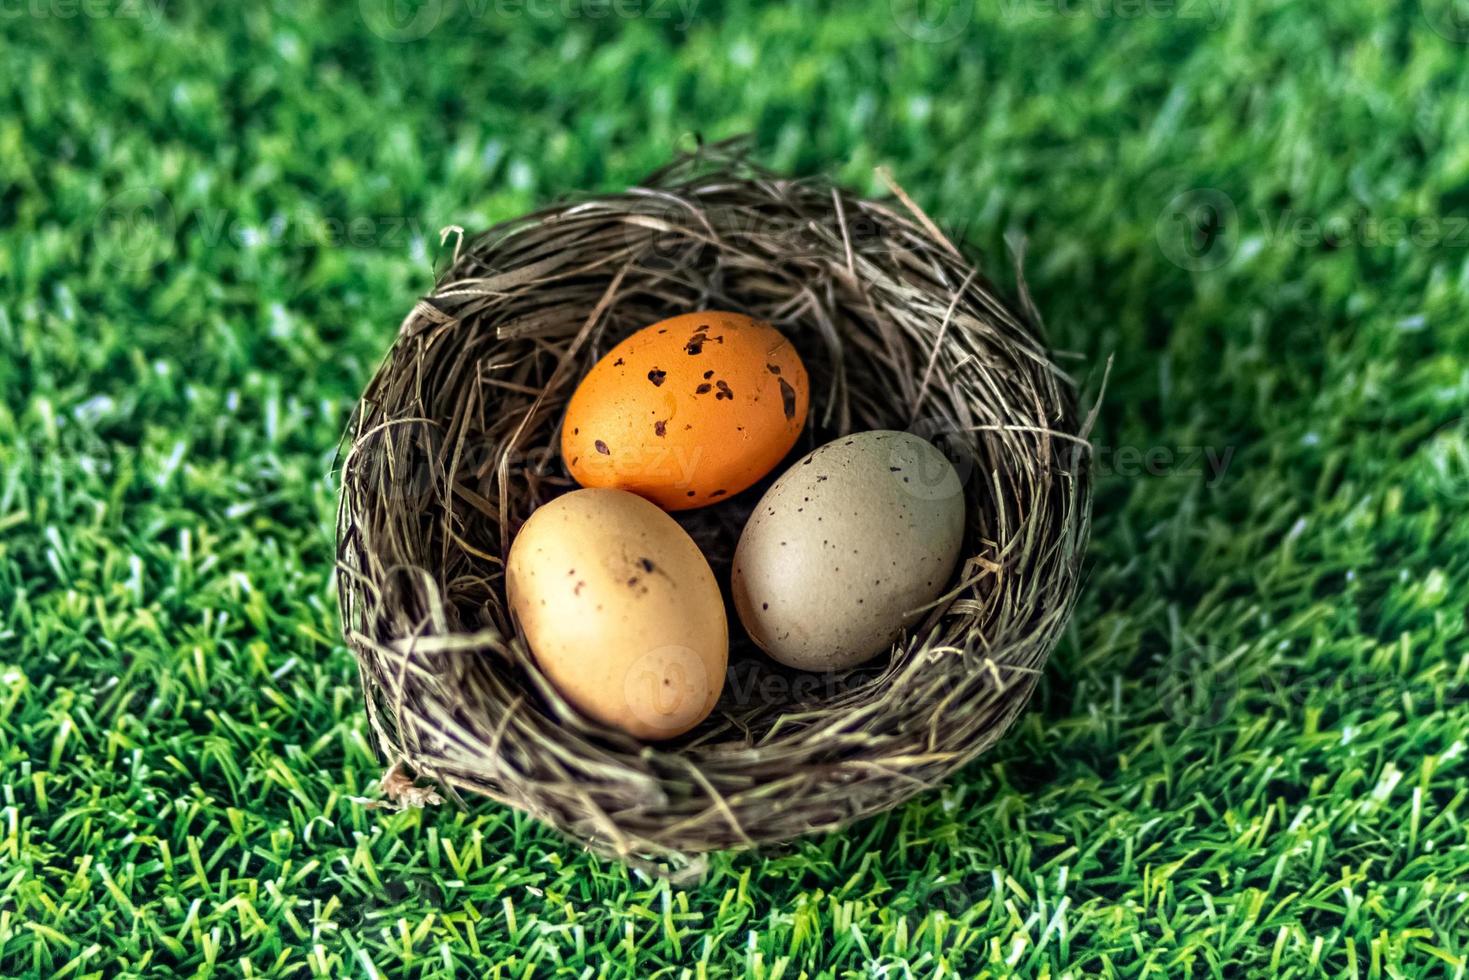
(454, 445)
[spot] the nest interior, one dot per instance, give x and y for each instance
(454, 445)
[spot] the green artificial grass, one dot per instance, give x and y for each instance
(1248, 758)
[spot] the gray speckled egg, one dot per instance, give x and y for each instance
(845, 549)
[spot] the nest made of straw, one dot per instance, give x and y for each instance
(453, 446)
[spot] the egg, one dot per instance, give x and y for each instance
(847, 547)
(687, 412)
(620, 611)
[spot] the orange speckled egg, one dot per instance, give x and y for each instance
(687, 412)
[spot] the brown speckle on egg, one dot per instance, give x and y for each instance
(661, 645)
(711, 448)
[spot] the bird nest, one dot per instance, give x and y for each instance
(454, 445)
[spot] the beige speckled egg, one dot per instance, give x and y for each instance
(621, 611)
(845, 549)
